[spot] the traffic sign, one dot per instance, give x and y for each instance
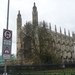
(6, 51)
(7, 42)
(7, 34)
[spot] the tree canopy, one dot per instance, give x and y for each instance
(47, 47)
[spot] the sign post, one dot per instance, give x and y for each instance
(7, 41)
(6, 48)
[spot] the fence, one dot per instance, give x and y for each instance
(40, 69)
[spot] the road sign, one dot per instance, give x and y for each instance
(7, 34)
(7, 42)
(6, 51)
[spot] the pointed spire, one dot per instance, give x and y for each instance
(19, 15)
(34, 14)
(68, 32)
(19, 12)
(44, 24)
(34, 3)
(34, 8)
(19, 20)
(60, 30)
(72, 33)
(55, 29)
(64, 31)
(50, 26)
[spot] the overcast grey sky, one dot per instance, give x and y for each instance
(57, 12)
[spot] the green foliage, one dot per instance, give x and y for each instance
(12, 61)
(47, 45)
(47, 48)
(45, 57)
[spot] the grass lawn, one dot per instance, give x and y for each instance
(46, 72)
(52, 72)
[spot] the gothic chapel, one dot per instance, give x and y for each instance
(25, 46)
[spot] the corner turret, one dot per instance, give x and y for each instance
(34, 14)
(19, 25)
(19, 20)
(60, 31)
(35, 26)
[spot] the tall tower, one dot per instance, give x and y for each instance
(35, 14)
(19, 24)
(35, 27)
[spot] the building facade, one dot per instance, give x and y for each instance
(25, 45)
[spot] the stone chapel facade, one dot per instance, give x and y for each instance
(63, 42)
